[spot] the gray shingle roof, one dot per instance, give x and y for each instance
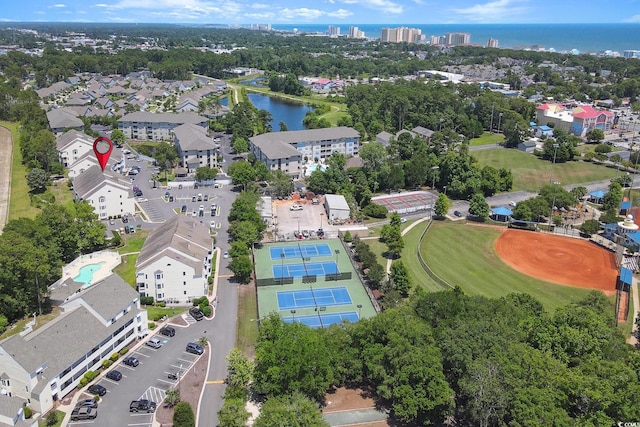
(422, 131)
(109, 296)
(191, 137)
(9, 406)
(185, 239)
(70, 136)
(336, 201)
(94, 178)
(180, 118)
(296, 136)
(275, 149)
(61, 118)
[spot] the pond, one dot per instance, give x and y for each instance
(290, 113)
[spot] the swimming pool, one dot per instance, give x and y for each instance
(85, 275)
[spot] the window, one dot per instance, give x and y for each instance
(184, 273)
(185, 292)
(158, 276)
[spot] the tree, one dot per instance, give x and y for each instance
(281, 184)
(240, 369)
(442, 205)
(613, 198)
(118, 137)
(245, 231)
(393, 240)
(478, 206)
(240, 145)
(242, 268)
(37, 180)
(205, 173)
(183, 415)
(52, 418)
(239, 248)
(172, 397)
(233, 413)
(590, 227)
(294, 410)
(400, 279)
(242, 173)
(595, 136)
(375, 211)
(283, 126)
(165, 156)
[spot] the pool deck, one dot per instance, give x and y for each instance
(111, 260)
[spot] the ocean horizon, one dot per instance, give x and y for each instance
(586, 38)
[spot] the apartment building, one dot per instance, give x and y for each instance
(401, 34)
(157, 127)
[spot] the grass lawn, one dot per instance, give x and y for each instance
(20, 202)
(157, 312)
(410, 259)
(59, 417)
(464, 255)
(247, 326)
(530, 172)
(40, 321)
(487, 139)
(132, 243)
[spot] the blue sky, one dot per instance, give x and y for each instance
(324, 11)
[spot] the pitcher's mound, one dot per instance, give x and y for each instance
(558, 259)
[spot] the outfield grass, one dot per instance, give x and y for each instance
(464, 255)
(410, 259)
(530, 172)
(487, 139)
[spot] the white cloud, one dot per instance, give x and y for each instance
(57, 6)
(177, 10)
(340, 13)
(493, 11)
(633, 19)
(260, 16)
(385, 6)
(301, 13)
(260, 6)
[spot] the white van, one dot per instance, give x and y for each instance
(154, 343)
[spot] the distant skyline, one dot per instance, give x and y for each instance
(335, 12)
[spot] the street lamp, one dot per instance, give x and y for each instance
(440, 128)
(555, 151)
(293, 316)
(499, 121)
(553, 203)
(445, 190)
(282, 255)
(321, 214)
(359, 307)
(433, 176)
(491, 125)
(337, 251)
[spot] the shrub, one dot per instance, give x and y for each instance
(152, 325)
(124, 351)
(206, 310)
(52, 418)
(28, 413)
(90, 375)
(83, 382)
(375, 211)
(114, 357)
(106, 364)
(347, 237)
(146, 300)
(201, 301)
(183, 415)
(160, 304)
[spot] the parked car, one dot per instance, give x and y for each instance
(84, 413)
(295, 208)
(194, 348)
(154, 343)
(131, 361)
(196, 313)
(125, 219)
(92, 403)
(225, 255)
(142, 405)
(168, 331)
(97, 389)
(183, 209)
(457, 213)
(114, 375)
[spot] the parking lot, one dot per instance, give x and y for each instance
(310, 218)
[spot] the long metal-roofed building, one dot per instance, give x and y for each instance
(44, 365)
(274, 148)
(175, 261)
(157, 127)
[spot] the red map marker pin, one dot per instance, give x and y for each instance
(102, 147)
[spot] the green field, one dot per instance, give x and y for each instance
(487, 139)
(530, 172)
(464, 255)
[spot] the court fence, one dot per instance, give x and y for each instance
(311, 278)
(363, 280)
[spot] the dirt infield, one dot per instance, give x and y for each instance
(558, 259)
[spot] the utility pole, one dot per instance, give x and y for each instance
(491, 125)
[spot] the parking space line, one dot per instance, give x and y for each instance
(122, 365)
(165, 381)
(141, 354)
(186, 360)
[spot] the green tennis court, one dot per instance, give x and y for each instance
(319, 293)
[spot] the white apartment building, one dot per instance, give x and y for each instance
(356, 33)
(194, 147)
(175, 261)
(72, 145)
(401, 34)
(43, 366)
(277, 155)
(157, 127)
(110, 196)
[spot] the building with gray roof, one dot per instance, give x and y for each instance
(46, 364)
(175, 261)
(62, 119)
(195, 148)
(157, 127)
(72, 145)
(271, 148)
(110, 196)
(337, 207)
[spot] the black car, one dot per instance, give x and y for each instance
(125, 219)
(131, 361)
(114, 375)
(168, 331)
(97, 389)
(457, 213)
(143, 405)
(194, 348)
(196, 313)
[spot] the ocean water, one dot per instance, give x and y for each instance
(586, 38)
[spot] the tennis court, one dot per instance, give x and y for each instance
(319, 297)
(300, 251)
(402, 203)
(323, 320)
(305, 269)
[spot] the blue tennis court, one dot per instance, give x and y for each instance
(323, 320)
(305, 269)
(307, 298)
(300, 251)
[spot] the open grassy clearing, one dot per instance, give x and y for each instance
(464, 255)
(530, 172)
(132, 243)
(20, 202)
(487, 139)
(247, 326)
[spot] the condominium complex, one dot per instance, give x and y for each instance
(492, 43)
(356, 33)
(452, 39)
(333, 31)
(631, 54)
(401, 34)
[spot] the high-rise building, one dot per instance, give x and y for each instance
(631, 54)
(457, 39)
(356, 33)
(401, 34)
(333, 31)
(492, 43)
